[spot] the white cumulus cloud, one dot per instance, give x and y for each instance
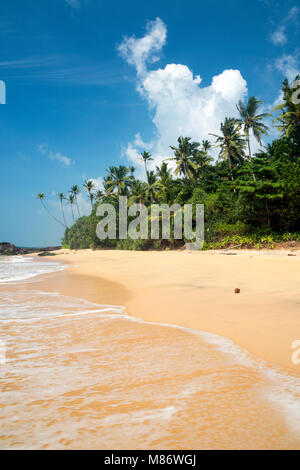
(179, 105)
(138, 52)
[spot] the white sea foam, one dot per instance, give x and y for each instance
(18, 268)
(54, 309)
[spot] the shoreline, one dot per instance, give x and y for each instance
(196, 290)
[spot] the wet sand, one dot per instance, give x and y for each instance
(196, 290)
(82, 373)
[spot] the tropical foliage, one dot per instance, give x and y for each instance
(250, 199)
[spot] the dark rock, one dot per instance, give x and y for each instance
(237, 290)
(8, 249)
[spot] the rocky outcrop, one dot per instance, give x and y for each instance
(8, 249)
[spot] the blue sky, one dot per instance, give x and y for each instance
(91, 83)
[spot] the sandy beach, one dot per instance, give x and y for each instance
(149, 350)
(196, 290)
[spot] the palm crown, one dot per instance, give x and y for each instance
(183, 155)
(250, 120)
(232, 144)
(289, 119)
(118, 178)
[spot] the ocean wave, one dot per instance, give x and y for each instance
(18, 268)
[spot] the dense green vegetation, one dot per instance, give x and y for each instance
(46, 253)
(250, 200)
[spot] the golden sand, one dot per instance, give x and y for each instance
(79, 377)
(196, 290)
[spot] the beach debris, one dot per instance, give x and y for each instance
(232, 247)
(228, 254)
(237, 290)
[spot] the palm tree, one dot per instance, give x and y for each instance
(89, 186)
(41, 197)
(117, 179)
(75, 191)
(206, 145)
(163, 171)
(62, 197)
(146, 157)
(152, 187)
(138, 193)
(201, 158)
(71, 201)
(183, 155)
(99, 195)
(289, 119)
(165, 182)
(132, 170)
(251, 120)
(231, 143)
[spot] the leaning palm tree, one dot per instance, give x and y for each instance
(89, 186)
(75, 191)
(250, 120)
(146, 157)
(62, 197)
(183, 155)
(71, 201)
(232, 144)
(41, 197)
(118, 179)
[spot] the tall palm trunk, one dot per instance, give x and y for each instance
(249, 149)
(72, 213)
(90, 196)
(230, 165)
(63, 213)
(77, 206)
(146, 171)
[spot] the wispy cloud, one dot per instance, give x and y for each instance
(74, 3)
(279, 36)
(288, 65)
(59, 157)
(6, 27)
(292, 15)
(66, 161)
(60, 69)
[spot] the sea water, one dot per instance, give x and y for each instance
(77, 375)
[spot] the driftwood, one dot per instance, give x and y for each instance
(232, 247)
